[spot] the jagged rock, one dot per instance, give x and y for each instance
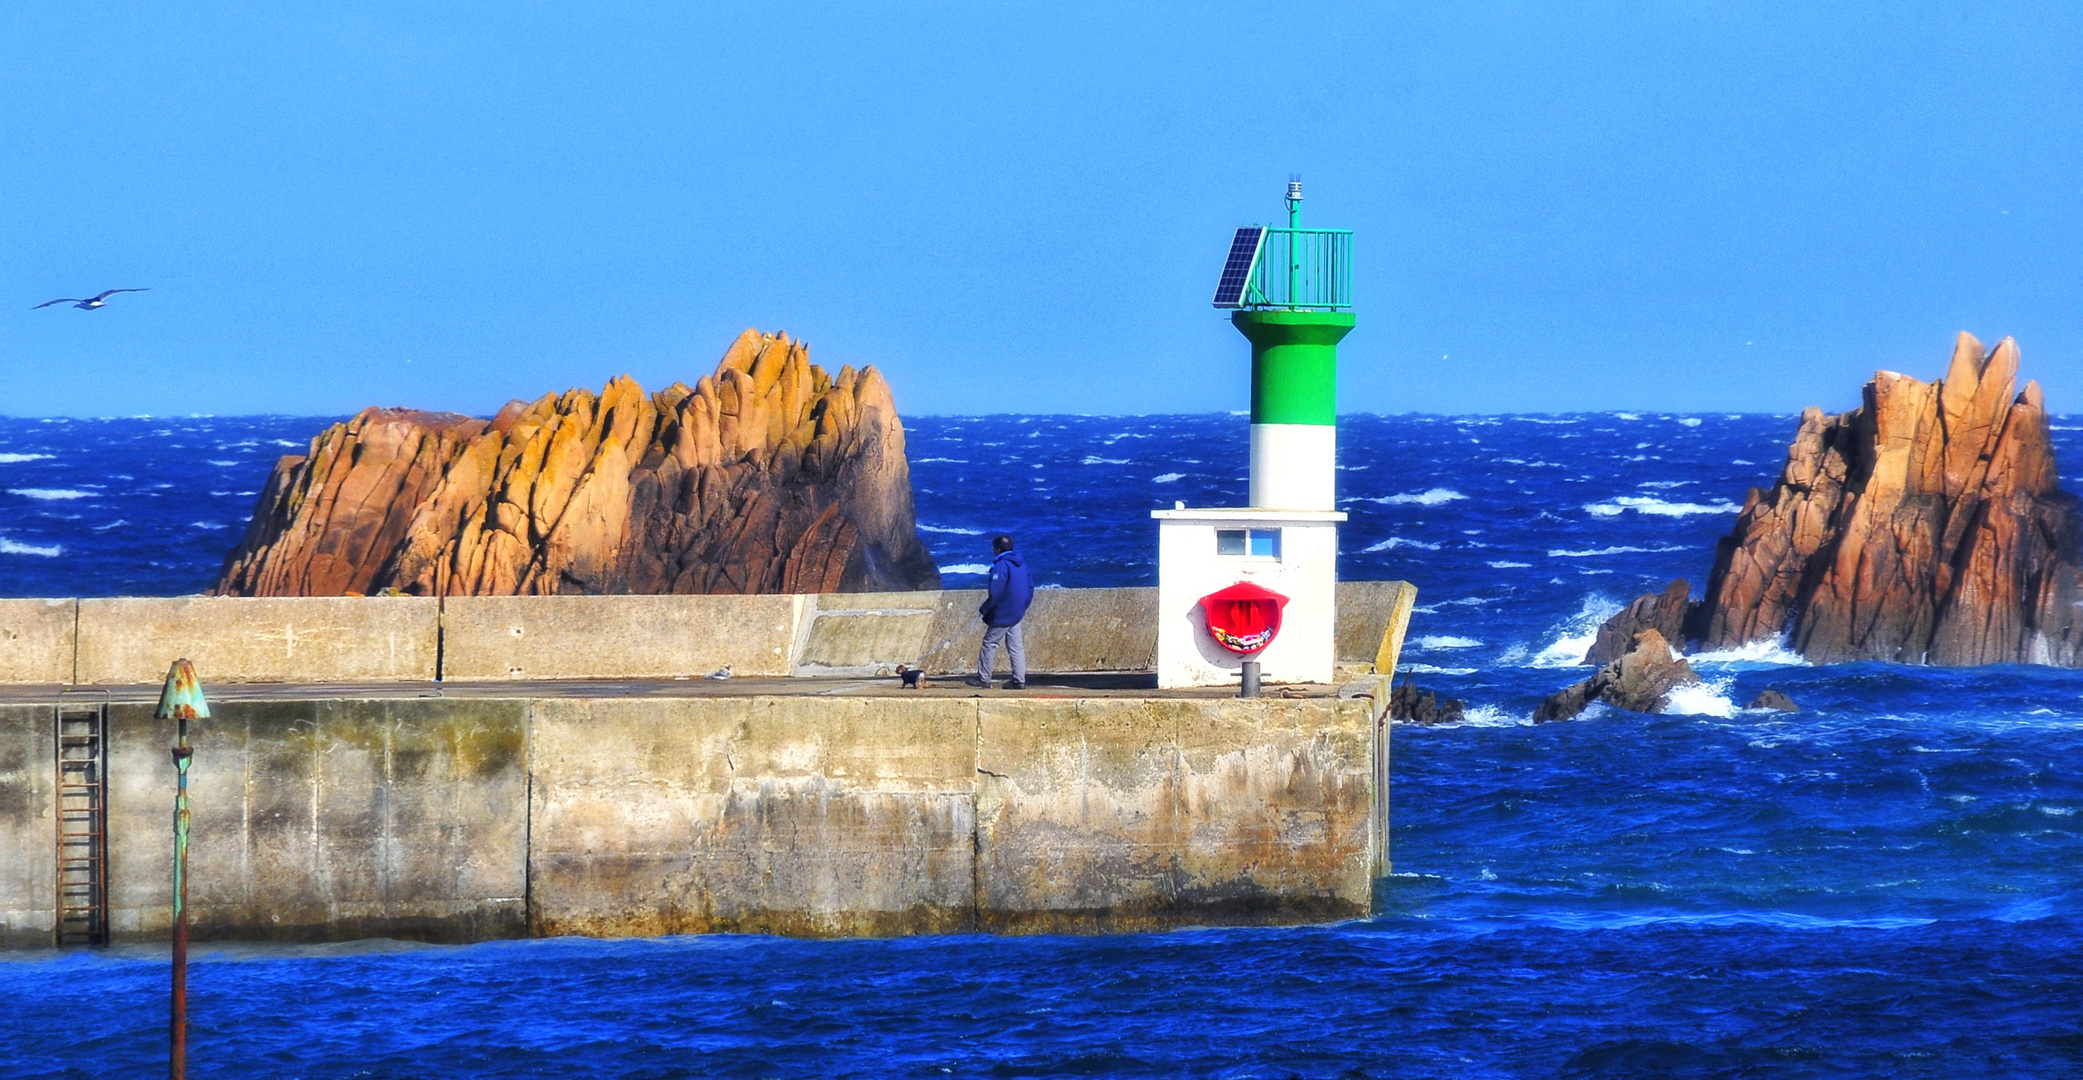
(1639, 681)
(1925, 526)
(768, 476)
(1773, 701)
(1663, 612)
(1408, 703)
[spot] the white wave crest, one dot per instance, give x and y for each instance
(10, 547)
(9, 459)
(1618, 549)
(1701, 699)
(1689, 421)
(1507, 564)
(1095, 459)
(50, 494)
(1492, 716)
(1576, 634)
(1430, 497)
(942, 460)
(967, 568)
(1649, 504)
(1768, 651)
(1394, 542)
(1431, 642)
(951, 529)
(1166, 478)
(1430, 669)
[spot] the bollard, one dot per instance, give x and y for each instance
(181, 700)
(1250, 687)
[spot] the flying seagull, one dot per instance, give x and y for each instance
(88, 304)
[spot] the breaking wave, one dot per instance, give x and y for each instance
(1394, 542)
(1649, 504)
(1708, 698)
(1618, 549)
(1575, 635)
(48, 551)
(1429, 497)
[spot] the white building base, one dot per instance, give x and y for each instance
(1190, 566)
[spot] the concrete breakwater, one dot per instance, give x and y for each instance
(571, 773)
(473, 818)
(130, 640)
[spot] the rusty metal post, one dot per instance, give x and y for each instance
(181, 700)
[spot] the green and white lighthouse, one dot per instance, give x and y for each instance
(1255, 588)
(1291, 291)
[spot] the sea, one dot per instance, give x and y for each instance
(1888, 884)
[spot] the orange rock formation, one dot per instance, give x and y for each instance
(1925, 526)
(768, 476)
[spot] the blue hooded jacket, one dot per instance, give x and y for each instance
(1011, 591)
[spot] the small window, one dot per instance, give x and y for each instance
(1259, 543)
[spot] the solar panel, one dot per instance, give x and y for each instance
(1236, 270)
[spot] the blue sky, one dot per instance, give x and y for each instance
(1724, 206)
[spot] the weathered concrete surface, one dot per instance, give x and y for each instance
(812, 817)
(617, 637)
(36, 640)
(1130, 815)
(1066, 630)
(28, 825)
(329, 820)
(1372, 616)
(412, 639)
(457, 819)
(235, 639)
(864, 633)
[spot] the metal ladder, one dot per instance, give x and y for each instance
(83, 824)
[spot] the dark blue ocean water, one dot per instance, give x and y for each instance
(1888, 885)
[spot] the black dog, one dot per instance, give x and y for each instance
(913, 677)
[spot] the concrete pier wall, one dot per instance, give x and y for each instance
(131, 640)
(457, 819)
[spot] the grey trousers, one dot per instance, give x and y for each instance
(1015, 647)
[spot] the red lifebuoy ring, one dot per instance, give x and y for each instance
(1243, 618)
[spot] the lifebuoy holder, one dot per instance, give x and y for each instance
(1244, 618)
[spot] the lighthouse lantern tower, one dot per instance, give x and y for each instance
(1289, 291)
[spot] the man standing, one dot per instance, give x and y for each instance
(1003, 608)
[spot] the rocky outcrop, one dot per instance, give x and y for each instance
(1925, 526)
(1772, 701)
(1640, 681)
(1412, 705)
(768, 476)
(1663, 612)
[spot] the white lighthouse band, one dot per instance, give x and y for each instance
(1294, 466)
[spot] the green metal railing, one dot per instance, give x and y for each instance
(1303, 270)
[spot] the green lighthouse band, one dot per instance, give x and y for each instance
(1294, 363)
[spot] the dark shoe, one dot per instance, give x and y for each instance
(1015, 684)
(976, 681)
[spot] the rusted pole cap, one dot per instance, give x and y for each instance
(182, 697)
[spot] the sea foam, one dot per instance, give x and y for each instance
(1430, 497)
(10, 547)
(1394, 542)
(1649, 504)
